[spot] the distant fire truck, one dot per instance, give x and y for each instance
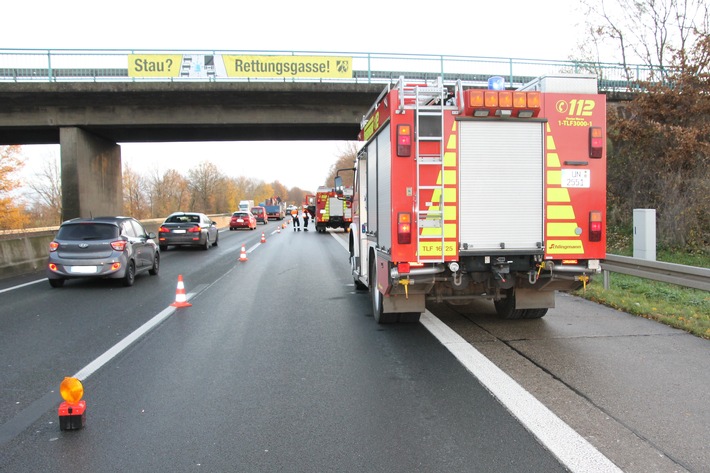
(333, 211)
(463, 194)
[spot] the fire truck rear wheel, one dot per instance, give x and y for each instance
(505, 308)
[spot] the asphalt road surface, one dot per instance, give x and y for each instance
(278, 365)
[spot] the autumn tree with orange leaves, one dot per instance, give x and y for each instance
(12, 214)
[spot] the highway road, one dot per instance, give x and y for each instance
(278, 365)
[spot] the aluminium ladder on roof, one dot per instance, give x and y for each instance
(428, 101)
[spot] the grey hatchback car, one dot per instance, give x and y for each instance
(102, 247)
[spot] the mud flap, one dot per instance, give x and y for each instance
(532, 299)
(399, 303)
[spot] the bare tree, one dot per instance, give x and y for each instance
(345, 160)
(204, 181)
(47, 187)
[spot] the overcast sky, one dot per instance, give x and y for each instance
(546, 29)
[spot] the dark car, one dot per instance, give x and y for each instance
(260, 214)
(102, 247)
(188, 229)
(242, 219)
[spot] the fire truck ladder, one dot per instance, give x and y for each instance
(428, 102)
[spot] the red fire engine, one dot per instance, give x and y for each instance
(466, 193)
(333, 211)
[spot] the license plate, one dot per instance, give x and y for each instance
(178, 231)
(576, 178)
(82, 269)
(240, 220)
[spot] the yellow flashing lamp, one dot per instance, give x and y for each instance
(501, 103)
(71, 390)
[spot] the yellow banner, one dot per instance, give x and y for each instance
(329, 67)
(154, 65)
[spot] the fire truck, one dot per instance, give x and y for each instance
(333, 210)
(465, 193)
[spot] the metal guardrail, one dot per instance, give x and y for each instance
(49, 65)
(681, 275)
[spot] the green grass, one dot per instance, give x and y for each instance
(683, 308)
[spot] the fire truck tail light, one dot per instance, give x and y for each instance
(596, 142)
(404, 228)
(404, 140)
(595, 225)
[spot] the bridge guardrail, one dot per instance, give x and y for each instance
(681, 275)
(48, 65)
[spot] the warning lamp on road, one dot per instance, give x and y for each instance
(595, 225)
(596, 142)
(404, 228)
(404, 140)
(72, 412)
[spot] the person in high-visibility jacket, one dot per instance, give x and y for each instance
(306, 215)
(296, 222)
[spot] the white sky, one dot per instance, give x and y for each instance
(546, 29)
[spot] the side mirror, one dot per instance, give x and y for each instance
(338, 186)
(151, 236)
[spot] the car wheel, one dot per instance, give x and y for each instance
(56, 282)
(206, 246)
(130, 277)
(216, 240)
(156, 265)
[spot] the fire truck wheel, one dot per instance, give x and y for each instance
(505, 308)
(534, 313)
(381, 317)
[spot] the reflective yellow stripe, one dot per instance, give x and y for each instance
(560, 212)
(558, 195)
(554, 178)
(553, 161)
(569, 247)
(562, 230)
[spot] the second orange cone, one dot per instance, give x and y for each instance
(180, 296)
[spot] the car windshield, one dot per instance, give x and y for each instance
(87, 231)
(183, 219)
(240, 215)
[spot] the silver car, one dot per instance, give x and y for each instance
(102, 247)
(188, 229)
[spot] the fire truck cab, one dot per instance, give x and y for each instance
(469, 193)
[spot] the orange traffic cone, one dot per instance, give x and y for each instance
(278, 229)
(243, 254)
(263, 238)
(180, 296)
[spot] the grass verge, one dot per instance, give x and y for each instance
(683, 308)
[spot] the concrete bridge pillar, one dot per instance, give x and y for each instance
(91, 175)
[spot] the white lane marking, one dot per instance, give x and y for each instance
(570, 448)
(111, 353)
(21, 285)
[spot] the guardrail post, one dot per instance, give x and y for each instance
(605, 274)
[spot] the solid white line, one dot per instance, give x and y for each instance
(21, 285)
(111, 353)
(570, 448)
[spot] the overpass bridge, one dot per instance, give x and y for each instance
(89, 101)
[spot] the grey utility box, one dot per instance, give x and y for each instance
(645, 234)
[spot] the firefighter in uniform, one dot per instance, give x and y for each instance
(296, 222)
(306, 215)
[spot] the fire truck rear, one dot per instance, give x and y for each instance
(467, 193)
(333, 211)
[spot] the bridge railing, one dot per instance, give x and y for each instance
(48, 65)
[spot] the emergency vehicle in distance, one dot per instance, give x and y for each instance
(333, 210)
(463, 194)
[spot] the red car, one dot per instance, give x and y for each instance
(242, 219)
(260, 214)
